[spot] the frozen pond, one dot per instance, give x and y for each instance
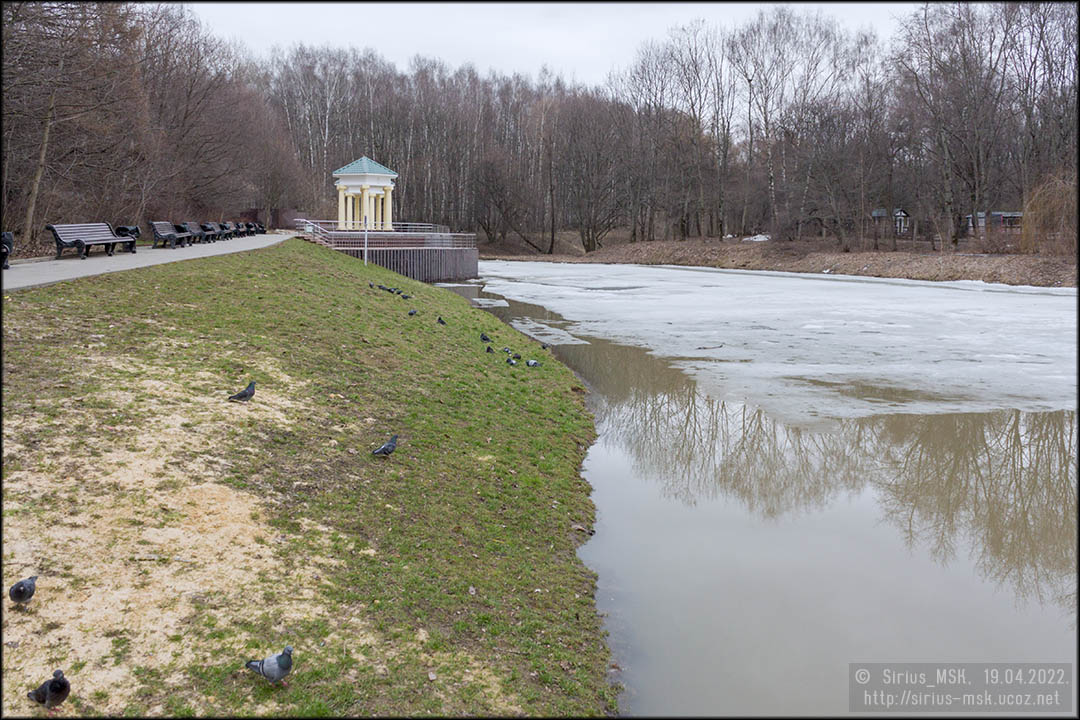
(795, 472)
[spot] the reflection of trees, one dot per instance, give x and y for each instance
(1007, 480)
(1003, 482)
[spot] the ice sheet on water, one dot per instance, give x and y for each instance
(545, 333)
(489, 302)
(806, 346)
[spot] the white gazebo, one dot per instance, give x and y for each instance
(364, 195)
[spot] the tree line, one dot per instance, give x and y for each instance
(787, 124)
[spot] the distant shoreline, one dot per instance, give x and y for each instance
(1031, 270)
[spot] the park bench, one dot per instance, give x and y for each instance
(166, 232)
(260, 228)
(244, 228)
(8, 246)
(197, 232)
(222, 233)
(84, 235)
(236, 230)
(252, 230)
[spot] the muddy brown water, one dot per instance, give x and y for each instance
(742, 562)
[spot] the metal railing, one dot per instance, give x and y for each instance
(403, 235)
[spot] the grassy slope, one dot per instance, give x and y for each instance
(463, 535)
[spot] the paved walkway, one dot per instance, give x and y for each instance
(46, 272)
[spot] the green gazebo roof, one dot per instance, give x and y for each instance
(364, 166)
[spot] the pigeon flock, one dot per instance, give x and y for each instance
(51, 693)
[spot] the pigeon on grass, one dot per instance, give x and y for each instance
(489, 349)
(245, 394)
(51, 692)
(511, 361)
(387, 447)
(275, 667)
(412, 312)
(441, 321)
(23, 590)
(532, 363)
(484, 337)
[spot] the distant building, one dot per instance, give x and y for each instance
(900, 219)
(1007, 220)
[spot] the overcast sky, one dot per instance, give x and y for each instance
(580, 41)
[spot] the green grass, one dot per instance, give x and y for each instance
(467, 500)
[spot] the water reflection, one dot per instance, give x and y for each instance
(1003, 484)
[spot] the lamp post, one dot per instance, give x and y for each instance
(365, 240)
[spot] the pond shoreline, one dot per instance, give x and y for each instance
(1011, 269)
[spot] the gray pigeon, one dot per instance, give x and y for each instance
(532, 363)
(507, 350)
(23, 590)
(484, 337)
(386, 448)
(245, 394)
(406, 297)
(371, 284)
(543, 346)
(52, 692)
(275, 667)
(511, 361)
(489, 349)
(441, 321)
(412, 312)
(516, 356)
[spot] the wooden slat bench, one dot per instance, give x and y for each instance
(222, 233)
(8, 246)
(83, 235)
(197, 232)
(166, 232)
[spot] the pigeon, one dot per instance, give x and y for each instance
(412, 312)
(484, 337)
(275, 667)
(245, 394)
(52, 692)
(387, 447)
(489, 349)
(507, 350)
(383, 287)
(516, 356)
(511, 361)
(532, 363)
(406, 297)
(441, 321)
(370, 284)
(543, 346)
(397, 291)
(23, 590)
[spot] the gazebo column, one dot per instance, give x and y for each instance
(348, 210)
(377, 211)
(358, 212)
(341, 207)
(365, 205)
(388, 215)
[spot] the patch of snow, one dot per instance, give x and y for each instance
(756, 238)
